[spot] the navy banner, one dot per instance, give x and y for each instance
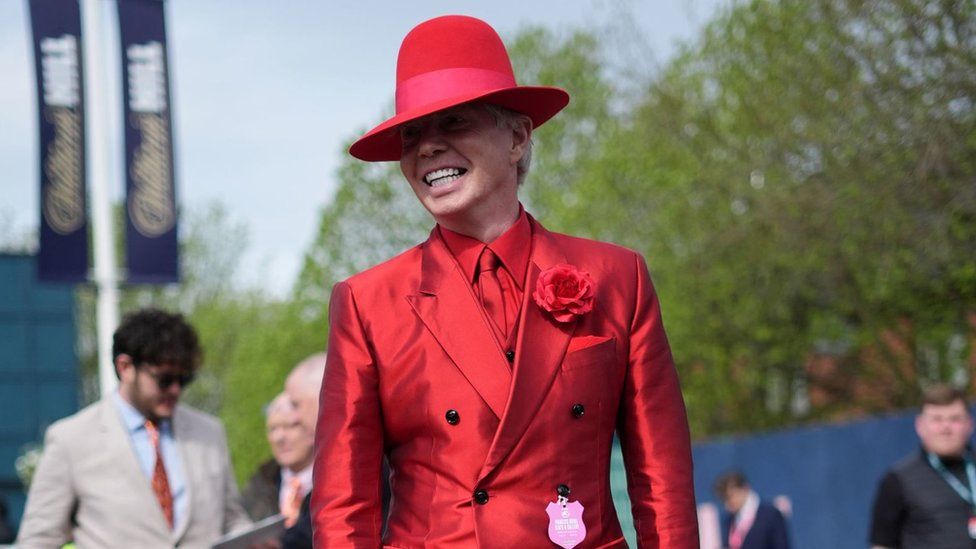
(151, 247)
(56, 27)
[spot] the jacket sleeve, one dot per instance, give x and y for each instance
(346, 493)
(51, 500)
(888, 513)
(653, 429)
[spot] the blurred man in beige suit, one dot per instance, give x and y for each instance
(137, 469)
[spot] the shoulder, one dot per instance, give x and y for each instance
(907, 463)
(186, 415)
(889, 490)
(616, 270)
(266, 473)
(269, 469)
(602, 260)
(768, 510)
(596, 250)
(81, 421)
(394, 271)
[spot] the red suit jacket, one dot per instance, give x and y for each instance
(409, 342)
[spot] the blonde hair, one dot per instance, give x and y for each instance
(507, 118)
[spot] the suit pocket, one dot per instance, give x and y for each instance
(603, 352)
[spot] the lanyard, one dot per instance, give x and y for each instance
(965, 492)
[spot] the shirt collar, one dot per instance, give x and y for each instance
(304, 476)
(748, 512)
(513, 248)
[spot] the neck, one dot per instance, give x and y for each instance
(485, 229)
(125, 391)
(299, 467)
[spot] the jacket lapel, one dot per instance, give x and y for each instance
(119, 443)
(542, 343)
(448, 308)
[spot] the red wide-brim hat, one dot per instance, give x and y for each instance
(448, 61)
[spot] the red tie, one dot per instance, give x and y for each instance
(490, 292)
(160, 483)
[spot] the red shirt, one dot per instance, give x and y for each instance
(513, 249)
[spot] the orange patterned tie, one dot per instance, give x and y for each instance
(293, 502)
(160, 483)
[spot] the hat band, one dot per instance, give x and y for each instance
(438, 85)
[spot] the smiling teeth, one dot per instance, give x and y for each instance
(438, 178)
(445, 181)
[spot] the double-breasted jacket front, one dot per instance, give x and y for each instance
(478, 444)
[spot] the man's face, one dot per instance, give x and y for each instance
(152, 389)
(304, 397)
(462, 165)
(735, 498)
(291, 443)
(944, 430)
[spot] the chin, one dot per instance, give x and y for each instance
(164, 412)
(948, 451)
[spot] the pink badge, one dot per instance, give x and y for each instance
(566, 528)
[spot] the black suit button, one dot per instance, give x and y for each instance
(481, 497)
(562, 490)
(578, 410)
(453, 417)
(510, 355)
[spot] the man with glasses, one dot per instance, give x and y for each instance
(137, 469)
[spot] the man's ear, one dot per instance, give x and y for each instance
(521, 135)
(124, 367)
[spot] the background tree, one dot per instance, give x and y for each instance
(800, 178)
(802, 183)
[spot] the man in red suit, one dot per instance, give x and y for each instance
(492, 363)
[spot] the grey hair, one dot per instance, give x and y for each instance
(507, 118)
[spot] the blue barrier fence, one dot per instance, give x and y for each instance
(829, 473)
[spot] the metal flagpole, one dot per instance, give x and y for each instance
(106, 279)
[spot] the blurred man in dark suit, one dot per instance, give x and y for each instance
(750, 523)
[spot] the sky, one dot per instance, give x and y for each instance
(265, 94)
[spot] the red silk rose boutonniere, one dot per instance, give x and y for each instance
(564, 291)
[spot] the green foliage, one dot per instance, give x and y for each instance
(279, 337)
(803, 178)
(570, 140)
(373, 216)
(800, 177)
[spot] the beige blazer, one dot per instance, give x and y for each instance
(89, 487)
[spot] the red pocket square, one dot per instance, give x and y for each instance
(583, 342)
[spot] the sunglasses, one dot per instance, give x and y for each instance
(165, 381)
